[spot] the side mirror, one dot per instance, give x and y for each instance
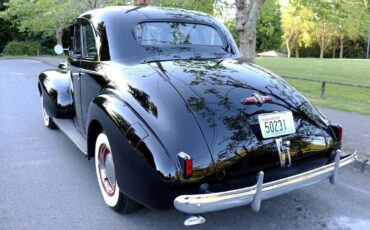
(58, 49)
(63, 66)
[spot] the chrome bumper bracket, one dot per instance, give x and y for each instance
(256, 203)
(334, 177)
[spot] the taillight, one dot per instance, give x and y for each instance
(338, 131)
(188, 167)
(186, 164)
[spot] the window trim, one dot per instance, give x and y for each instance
(79, 22)
(74, 40)
(83, 38)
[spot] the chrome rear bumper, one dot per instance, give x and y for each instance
(202, 203)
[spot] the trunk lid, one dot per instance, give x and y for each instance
(213, 90)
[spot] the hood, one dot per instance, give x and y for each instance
(213, 90)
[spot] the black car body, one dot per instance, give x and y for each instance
(165, 108)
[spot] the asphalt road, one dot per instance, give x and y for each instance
(47, 183)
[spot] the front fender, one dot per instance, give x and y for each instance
(55, 87)
(144, 170)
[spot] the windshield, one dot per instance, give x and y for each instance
(176, 34)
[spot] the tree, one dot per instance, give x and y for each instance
(198, 5)
(47, 17)
(269, 26)
(8, 33)
(295, 21)
(246, 15)
(352, 21)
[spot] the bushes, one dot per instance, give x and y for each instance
(29, 48)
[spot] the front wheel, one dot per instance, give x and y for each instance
(48, 121)
(106, 175)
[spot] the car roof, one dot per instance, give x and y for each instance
(147, 13)
(114, 26)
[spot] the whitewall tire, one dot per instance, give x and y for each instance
(106, 176)
(48, 121)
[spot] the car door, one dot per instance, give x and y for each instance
(74, 67)
(91, 74)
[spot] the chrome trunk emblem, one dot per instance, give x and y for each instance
(256, 98)
(283, 148)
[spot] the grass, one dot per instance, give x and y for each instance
(355, 71)
(12, 57)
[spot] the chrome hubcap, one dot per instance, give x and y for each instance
(106, 170)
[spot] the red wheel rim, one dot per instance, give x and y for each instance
(106, 170)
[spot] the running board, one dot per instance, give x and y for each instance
(69, 129)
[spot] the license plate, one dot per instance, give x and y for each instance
(276, 124)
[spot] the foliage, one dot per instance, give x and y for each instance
(337, 19)
(198, 5)
(306, 26)
(269, 26)
(46, 17)
(296, 24)
(352, 19)
(230, 25)
(30, 48)
(7, 32)
(37, 16)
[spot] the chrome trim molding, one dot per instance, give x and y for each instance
(202, 203)
(184, 156)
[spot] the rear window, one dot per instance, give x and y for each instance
(176, 34)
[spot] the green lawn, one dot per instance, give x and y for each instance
(355, 71)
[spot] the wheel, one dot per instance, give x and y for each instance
(106, 175)
(48, 121)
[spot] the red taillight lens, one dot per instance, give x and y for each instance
(339, 133)
(186, 164)
(188, 167)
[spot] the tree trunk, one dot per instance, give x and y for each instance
(59, 35)
(341, 46)
(246, 17)
(322, 44)
(93, 4)
(248, 44)
(296, 52)
(142, 2)
(334, 48)
(368, 47)
(287, 47)
(321, 52)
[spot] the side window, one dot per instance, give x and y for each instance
(77, 40)
(89, 46)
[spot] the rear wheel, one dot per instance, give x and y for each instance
(48, 121)
(105, 172)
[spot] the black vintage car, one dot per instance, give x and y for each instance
(174, 118)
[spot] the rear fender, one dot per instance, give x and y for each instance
(55, 86)
(144, 170)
